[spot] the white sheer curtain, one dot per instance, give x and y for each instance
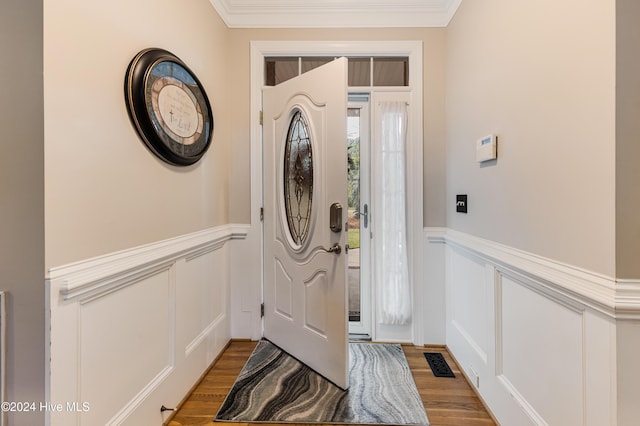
(389, 215)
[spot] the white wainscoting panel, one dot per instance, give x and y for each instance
(628, 388)
(469, 294)
(200, 303)
(246, 293)
(540, 353)
(3, 354)
(134, 330)
(536, 337)
(130, 331)
(433, 302)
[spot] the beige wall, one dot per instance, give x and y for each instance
(433, 83)
(627, 140)
(540, 75)
(104, 190)
(22, 201)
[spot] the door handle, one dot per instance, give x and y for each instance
(364, 214)
(334, 249)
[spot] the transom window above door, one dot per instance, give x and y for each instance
(373, 71)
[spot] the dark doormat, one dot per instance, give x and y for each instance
(438, 364)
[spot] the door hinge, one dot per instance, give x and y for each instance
(262, 310)
(261, 118)
(261, 214)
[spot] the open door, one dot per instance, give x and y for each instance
(305, 205)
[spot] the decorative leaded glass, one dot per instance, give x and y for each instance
(298, 178)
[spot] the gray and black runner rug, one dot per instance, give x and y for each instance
(275, 387)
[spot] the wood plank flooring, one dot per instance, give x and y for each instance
(448, 401)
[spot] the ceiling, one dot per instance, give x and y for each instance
(335, 13)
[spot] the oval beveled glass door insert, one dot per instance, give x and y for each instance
(298, 178)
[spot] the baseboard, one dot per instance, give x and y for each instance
(196, 384)
(472, 386)
(440, 347)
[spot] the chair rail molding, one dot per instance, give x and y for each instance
(627, 301)
(97, 274)
(616, 298)
(157, 314)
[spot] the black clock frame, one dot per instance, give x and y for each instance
(138, 100)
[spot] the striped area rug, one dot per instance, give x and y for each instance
(275, 387)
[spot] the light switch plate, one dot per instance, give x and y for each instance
(461, 203)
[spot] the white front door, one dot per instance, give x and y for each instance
(305, 206)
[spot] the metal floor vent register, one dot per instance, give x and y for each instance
(438, 365)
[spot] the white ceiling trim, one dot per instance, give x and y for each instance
(335, 13)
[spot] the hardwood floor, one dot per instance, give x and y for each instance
(448, 401)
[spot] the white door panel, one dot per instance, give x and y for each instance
(305, 294)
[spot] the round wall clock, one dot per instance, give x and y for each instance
(168, 107)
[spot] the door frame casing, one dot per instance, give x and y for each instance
(411, 49)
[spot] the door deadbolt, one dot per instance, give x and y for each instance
(335, 217)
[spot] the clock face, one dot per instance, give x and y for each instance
(168, 107)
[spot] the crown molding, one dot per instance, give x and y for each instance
(335, 13)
